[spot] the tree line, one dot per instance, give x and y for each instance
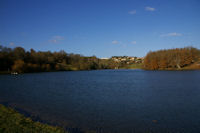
(171, 59)
(21, 61)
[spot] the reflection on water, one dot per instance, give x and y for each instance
(109, 100)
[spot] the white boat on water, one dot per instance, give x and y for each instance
(14, 73)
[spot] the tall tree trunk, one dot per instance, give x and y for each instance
(178, 66)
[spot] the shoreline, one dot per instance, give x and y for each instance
(12, 120)
(17, 119)
(183, 69)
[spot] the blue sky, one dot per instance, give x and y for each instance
(103, 28)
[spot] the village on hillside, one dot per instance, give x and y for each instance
(126, 59)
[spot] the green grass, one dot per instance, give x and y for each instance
(136, 66)
(13, 122)
(133, 66)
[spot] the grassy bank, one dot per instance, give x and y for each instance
(133, 66)
(13, 122)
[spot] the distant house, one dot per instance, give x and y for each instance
(132, 58)
(127, 59)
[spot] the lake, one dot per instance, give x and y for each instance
(108, 101)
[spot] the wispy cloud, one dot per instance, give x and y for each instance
(56, 39)
(150, 9)
(132, 12)
(171, 34)
(11, 44)
(133, 42)
(115, 42)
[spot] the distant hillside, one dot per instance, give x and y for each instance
(179, 58)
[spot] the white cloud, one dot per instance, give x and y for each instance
(53, 41)
(115, 42)
(133, 42)
(171, 34)
(56, 39)
(150, 9)
(132, 12)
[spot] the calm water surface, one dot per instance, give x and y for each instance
(125, 101)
